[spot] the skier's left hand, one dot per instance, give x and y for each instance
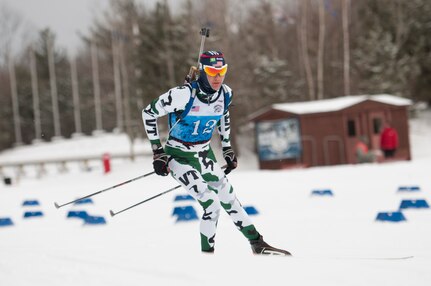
(230, 158)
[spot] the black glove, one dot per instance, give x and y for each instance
(160, 161)
(230, 158)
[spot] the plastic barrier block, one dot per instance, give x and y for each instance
(414, 204)
(409, 189)
(322, 193)
(33, 214)
(30, 203)
(94, 220)
(77, 214)
(183, 198)
(185, 213)
(183, 210)
(5, 221)
(391, 216)
(251, 210)
(84, 201)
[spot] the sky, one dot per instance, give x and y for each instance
(335, 240)
(67, 18)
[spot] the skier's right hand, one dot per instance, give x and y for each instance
(160, 162)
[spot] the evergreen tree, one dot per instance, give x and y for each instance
(391, 52)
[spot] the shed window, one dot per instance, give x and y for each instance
(377, 125)
(351, 128)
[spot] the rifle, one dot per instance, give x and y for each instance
(194, 70)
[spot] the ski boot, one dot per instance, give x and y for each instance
(259, 246)
(208, 251)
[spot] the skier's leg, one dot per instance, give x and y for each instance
(232, 206)
(239, 216)
(195, 184)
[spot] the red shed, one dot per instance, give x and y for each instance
(325, 132)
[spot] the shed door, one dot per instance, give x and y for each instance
(375, 124)
(353, 131)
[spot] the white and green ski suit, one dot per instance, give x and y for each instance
(192, 120)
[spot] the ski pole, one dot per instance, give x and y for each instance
(104, 190)
(149, 199)
(144, 201)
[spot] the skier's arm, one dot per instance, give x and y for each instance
(173, 100)
(228, 153)
(223, 129)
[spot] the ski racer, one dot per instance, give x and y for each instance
(194, 110)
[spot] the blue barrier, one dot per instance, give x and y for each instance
(84, 201)
(391, 216)
(183, 198)
(409, 189)
(77, 214)
(30, 203)
(182, 210)
(185, 213)
(5, 221)
(94, 220)
(33, 214)
(414, 204)
(251, 210)
(322, 193)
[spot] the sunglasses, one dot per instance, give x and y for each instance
(213, 71)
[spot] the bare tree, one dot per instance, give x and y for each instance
(168, 45)
(53, 84)
(304, 45)
(320, 52)
(10, 23)
(346, 50)
(75, 94)
(35, 94)
(15, 103)
(96, 85)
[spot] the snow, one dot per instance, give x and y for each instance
(335, 104)
(335, 240)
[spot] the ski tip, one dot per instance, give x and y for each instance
(56, 205)
(112, 213)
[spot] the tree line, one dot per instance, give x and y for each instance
(278, 51)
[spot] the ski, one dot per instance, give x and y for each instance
(275, 252)
(356, 257)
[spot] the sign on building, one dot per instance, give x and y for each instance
(278, 139)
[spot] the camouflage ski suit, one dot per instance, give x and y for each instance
(192, 162)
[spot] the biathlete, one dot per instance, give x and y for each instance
(194, 111)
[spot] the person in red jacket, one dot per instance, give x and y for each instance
(389, 141)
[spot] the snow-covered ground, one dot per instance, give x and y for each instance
(335, 240)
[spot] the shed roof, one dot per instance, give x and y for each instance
(338, 103)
